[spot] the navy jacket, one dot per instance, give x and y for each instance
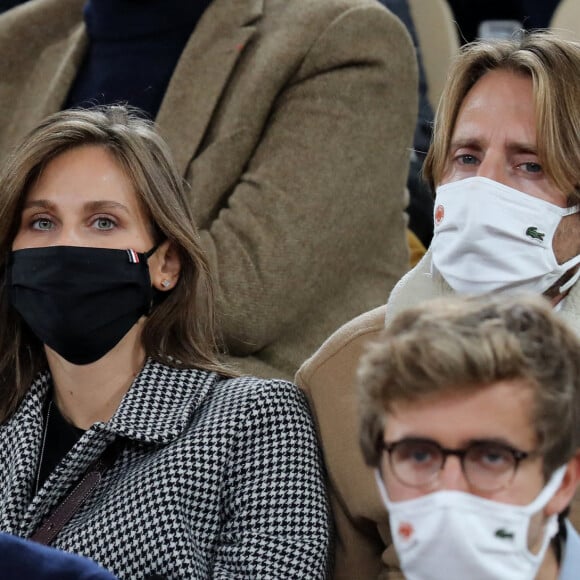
(25, 559)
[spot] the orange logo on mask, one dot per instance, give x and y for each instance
(406, 530)
(439, 214)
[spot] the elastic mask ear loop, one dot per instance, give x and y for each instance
(551, 487)
(153, 249)
(541, 500)
(381, 486)
(570, 210)
(133, 256)
(158, 296)
(569, 283)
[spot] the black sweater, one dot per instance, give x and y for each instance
(133, 49)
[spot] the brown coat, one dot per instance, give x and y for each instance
(362, 523)
(364, 549)
(291, 120)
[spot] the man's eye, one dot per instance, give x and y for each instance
(421, 457)
(42, 224)
(532, 167)
(417, 454)
(467, 159)
(491, 457)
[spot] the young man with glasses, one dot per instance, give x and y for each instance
(470, 416)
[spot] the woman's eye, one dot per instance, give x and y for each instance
(42, 224)
(104, 223)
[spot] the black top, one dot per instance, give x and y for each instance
(531, 13)
(58, 438)
(134, 46)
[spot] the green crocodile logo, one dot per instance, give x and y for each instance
(533, 233)
(504, 534)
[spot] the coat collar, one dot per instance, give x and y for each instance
(157, 408)
(160, 403)
(421, 284)
(416, 286)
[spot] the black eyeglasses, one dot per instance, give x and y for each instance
(487, 465)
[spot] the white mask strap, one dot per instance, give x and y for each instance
(570, 210)
(567, 285)
(549, 490)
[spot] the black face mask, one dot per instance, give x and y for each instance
(80, 301)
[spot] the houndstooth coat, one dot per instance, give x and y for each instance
(218, 478)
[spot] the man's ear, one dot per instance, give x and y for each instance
(563, 497)
(165, 267)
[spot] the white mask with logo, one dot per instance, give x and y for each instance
(491, 238)
(452, 535)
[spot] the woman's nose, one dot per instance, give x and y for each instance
(67, 237)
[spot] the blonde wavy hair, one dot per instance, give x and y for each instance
(553, 64)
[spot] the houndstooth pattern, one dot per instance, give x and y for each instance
(219, 478)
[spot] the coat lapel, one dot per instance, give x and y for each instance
(65, 59)
(202, 72)
(160, 404)
(50, 81)
(158, 407)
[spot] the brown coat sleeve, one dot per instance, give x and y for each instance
(363, 545)
(313, 231)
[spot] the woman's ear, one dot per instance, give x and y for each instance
(563, 497)
(165, 267)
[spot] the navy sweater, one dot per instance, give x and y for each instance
(134, 46)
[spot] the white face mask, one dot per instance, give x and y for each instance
(491, 238)
(452, 535)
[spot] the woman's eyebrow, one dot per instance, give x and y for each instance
(101, 205)
(39, 203)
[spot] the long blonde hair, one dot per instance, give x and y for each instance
(553, 64)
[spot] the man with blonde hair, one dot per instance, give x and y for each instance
(505, 165)
(470, 414)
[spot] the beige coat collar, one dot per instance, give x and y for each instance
(420, 284)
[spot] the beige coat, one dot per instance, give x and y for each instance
(364, 549)
(291, 120)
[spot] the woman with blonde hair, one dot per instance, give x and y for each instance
(123, 437)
